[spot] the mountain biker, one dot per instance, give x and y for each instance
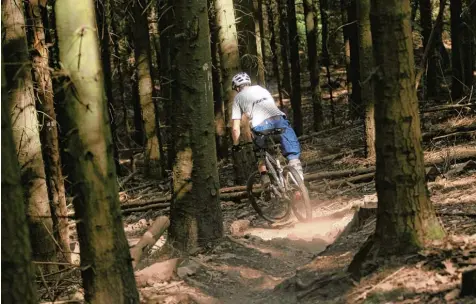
(259, 106)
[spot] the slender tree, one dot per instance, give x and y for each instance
(406, 218)
(426, 9)
(326, 59)
(284, 40)
(251, 63)
(143, 62)
(26, 132)
(260, 16)
(353, 32)
(165, 19)
(17, 271)
(366, 68)
(195, 215)
(219, 106)
(457, 89)
(310, 17)
(107, 269)
(345, 34)
(295, 69)
(467, 43)
(228, 50)
(103, 17)
(273, 47)
(36, 12)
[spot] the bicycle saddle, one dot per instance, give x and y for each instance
(277, 131)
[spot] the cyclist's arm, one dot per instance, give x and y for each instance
(235, 131)
(236, 114)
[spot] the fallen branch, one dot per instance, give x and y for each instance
(336, 174)
(439, 132)
(149, 238)
(359, 178)
(128, 178)
(331, 157)
(150, 206)
(448, 107)
(454, 134)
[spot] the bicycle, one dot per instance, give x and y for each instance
(286, 190)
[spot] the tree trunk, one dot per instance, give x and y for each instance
(283, 38)
(345, 34)
(326, 59)
(49, 133)
(426, 10)
(261, 14)
(472, 12)
(119, 79)
(107, 270)
(248, 48)
(17, 271)
(274, 53)
(103, 17)
(310, 17)
(259, 35)
(26, 132)
(165, 20)
(457, 89)
(414, 4)
(195, 214)
(228, 50)
(366, 67)
(143, 62)
(295, 69)
(221, 138)
(467, 47)
(405, 216)
(158, 106)
(353, 32)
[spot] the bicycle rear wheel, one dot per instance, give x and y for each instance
(298, 194)
(266, 202)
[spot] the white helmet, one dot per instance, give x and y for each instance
(239, 80)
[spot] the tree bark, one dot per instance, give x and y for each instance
(310, 17)
(426, 10)
(274, 53)
(26, 134)
(103, 17)
(229, 54)
(326, 59)
(345, 35)
(406, 218)
(467, 43)
(366, 67)
(107, 270)
(165, 11)
(221, 138)
(36, 13)
(284, 40)
(457, 89)
(261, 15)
(17, 271)
(353, 32)
(246, 26)
(143, 63)
(295, 69)
(195, 215)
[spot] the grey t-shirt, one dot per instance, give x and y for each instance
(257, 103)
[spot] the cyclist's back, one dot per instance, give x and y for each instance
(257, 103)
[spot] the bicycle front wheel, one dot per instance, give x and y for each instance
(267, 201)
(298, 194)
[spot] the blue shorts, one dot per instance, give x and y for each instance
(290, 147)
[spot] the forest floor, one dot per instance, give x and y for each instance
(298, 262)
